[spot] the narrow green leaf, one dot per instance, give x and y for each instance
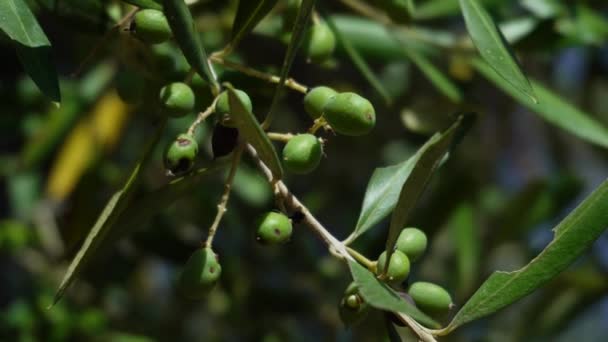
(493, 47)
(107, 219)
(437, 78)
(38, 63)
(359, 62)
(413, 187)
(466, 237)
(297, 35)
(248, 15)
(552, 108)
(381, 296)
(253, 133)
(573, 236)
(153, 4)
(20, 24)
(188, 39)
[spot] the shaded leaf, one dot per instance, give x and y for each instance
(107, 219)
(465, 234)
(153, 4)
(248, 15)
(188, 39)
(38, 63)
(380, 296)
(493, 47)
(252, 132)
(575, 234)
(297, 35)
(426, 164)
(552, 108)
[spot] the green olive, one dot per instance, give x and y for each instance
(316, 99)
(179, 157)
(200, 274)
(302, 153)
(350, 114)
(274, 228)
(222, 106)
(177, 99)
(412, 242)
(352, 308)
(319, 43)
(430, 297)
(150, 26)
(398, 267)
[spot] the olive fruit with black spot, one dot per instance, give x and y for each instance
(319, 43)
(398, 267)
(302, 153)
(200, 274)
(430, 298)
(412, 242)
(352, 307)
(179, 157)
(350, 114)
(150, 26)
(316, 99)
(177, 99)
(273, 228)
(222, 106)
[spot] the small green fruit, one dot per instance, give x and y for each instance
(151, 26)
(430, 297)
(350, 114)
(274, 228)
(412, 242)
(302, 153)
(352, 308)
(177, 99)
(200, 274)
(319, 43)
(316, 99)
(398, 267)
(222, 106)
(179, 157)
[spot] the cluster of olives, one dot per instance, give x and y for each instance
(428, 297)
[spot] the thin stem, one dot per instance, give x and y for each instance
(371, 265)
(221, 207)
(423, 333)
(367, 11)
(201, 117)
(290, 82)
(282, 137)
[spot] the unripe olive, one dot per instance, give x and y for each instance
(302, 153)
(316, 99)
(398, 267)
(412, 242)
(200, 274)
(352, 308)
(222, 106)
(319, 43)
(274, 228)
(150, 26)
(177, 99)
(179, 157)
(350, 114)
(430, 297)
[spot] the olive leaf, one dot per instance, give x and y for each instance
(32, 46)
(426, 165)
(575, 234)
(380, 296)
(297, 35)
(152, 4)
(248, 14)
(465, 234)
(437, 78)
(107, 219)
(250, 129)
(386, 183)
(493, 47)
(358, 61)
(551, 108)
(188, 39)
